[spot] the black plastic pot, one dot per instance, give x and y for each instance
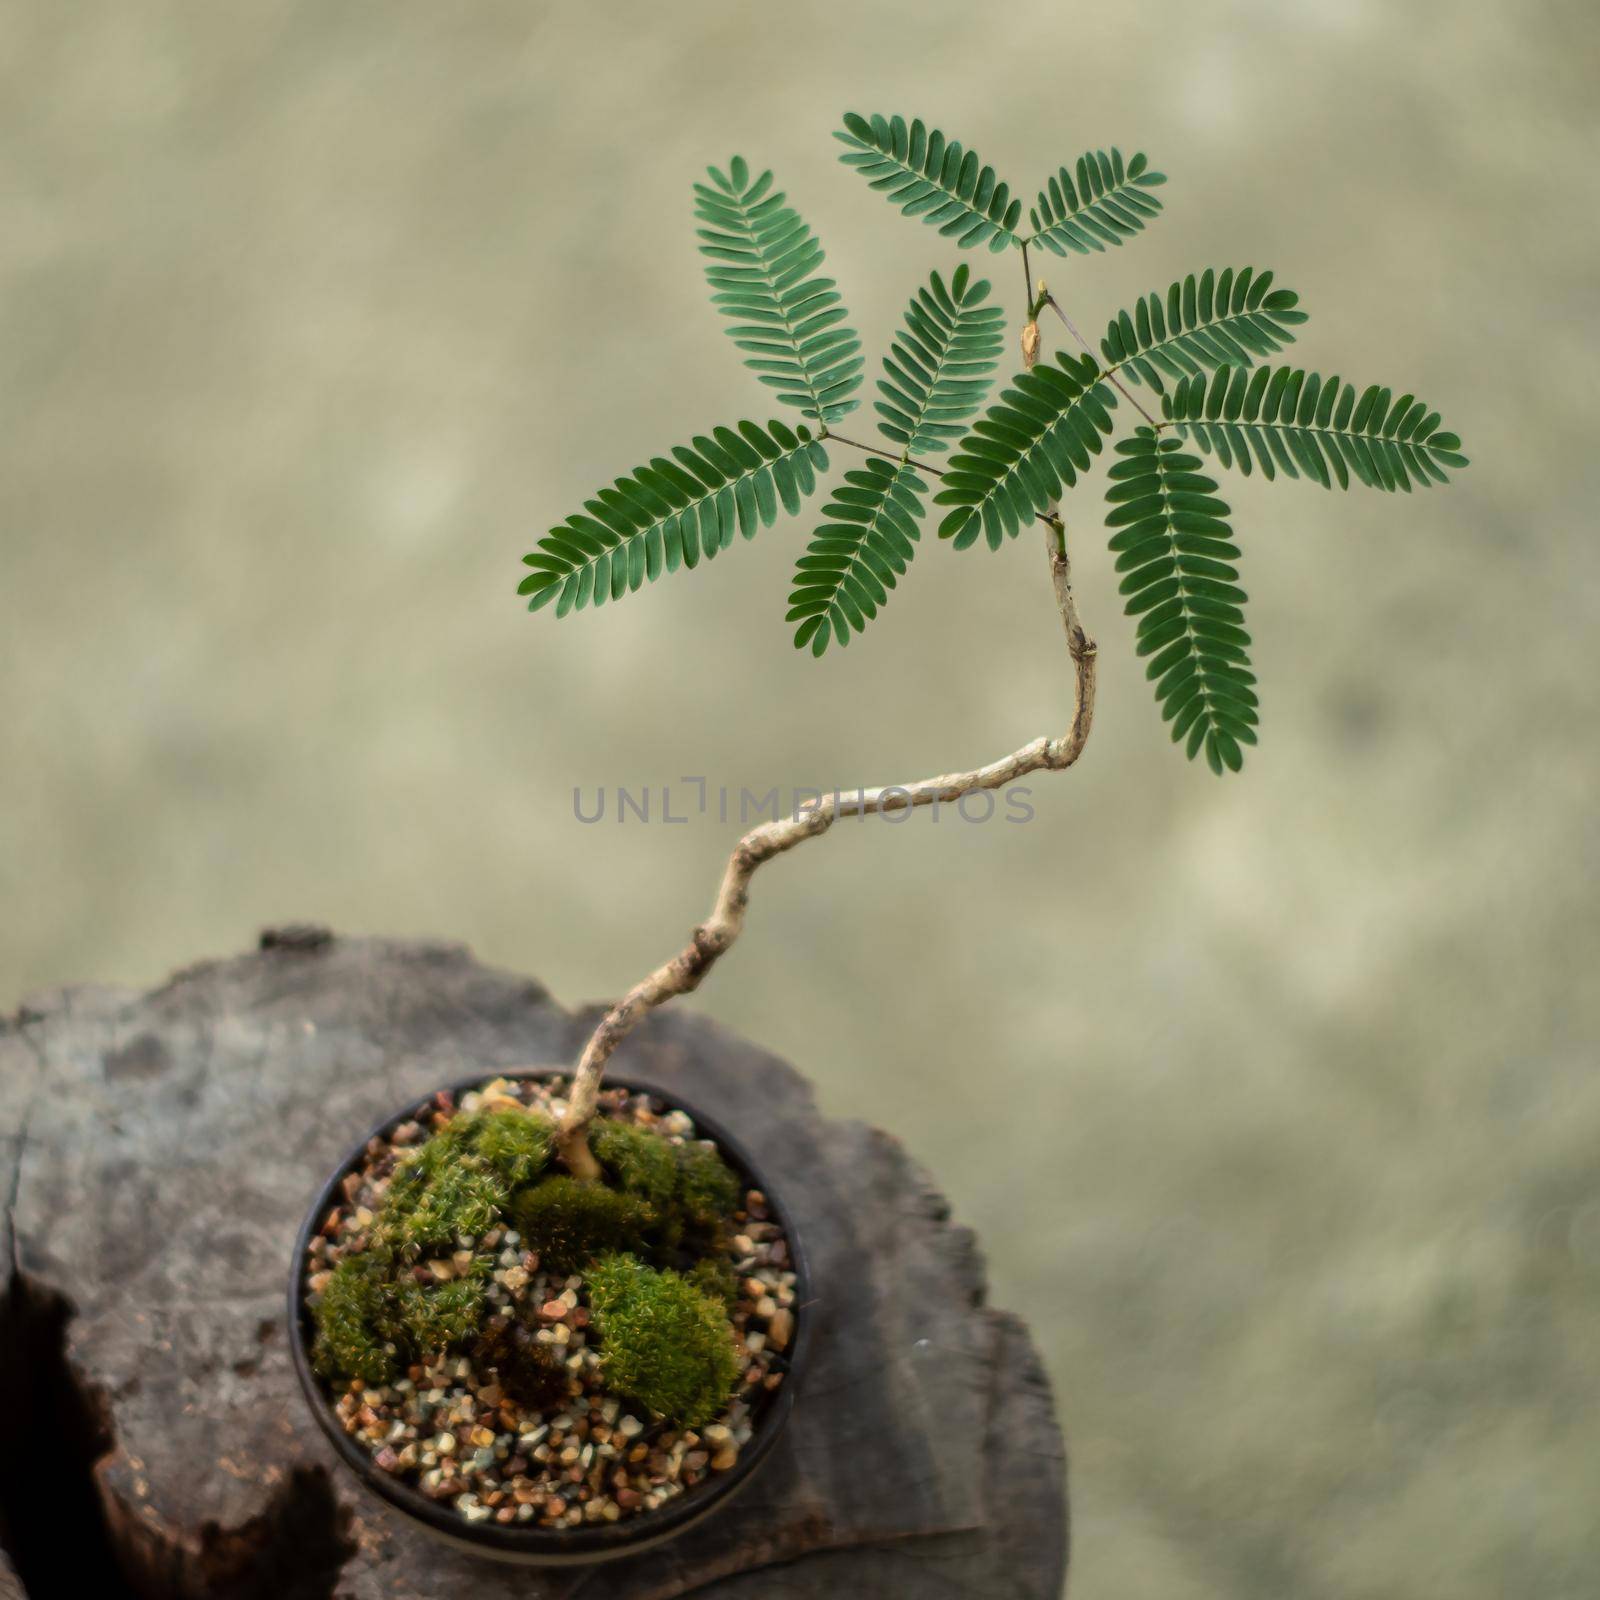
(593, 1542)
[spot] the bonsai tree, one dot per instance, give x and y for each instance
(1183, 375)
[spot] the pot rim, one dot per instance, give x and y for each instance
(591, 1542)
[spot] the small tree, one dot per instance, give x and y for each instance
(1200, 352)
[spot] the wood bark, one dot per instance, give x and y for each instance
(159, 1150)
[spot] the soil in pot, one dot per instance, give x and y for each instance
(535, 1352)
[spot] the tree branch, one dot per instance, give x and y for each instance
(1116, 382)
(1045, 517)
(888, 455)
(685, 972)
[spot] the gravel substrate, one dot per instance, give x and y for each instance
(448, 1429)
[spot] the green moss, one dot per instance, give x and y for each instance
(665, 1344)
(459, 1183)
(352, 1320)
(690, 1187)
(570, 1223)
(436, 1197)
(516, 1144)
(708, 1190)
(487, 1167)
(714, 1276)
(641, 1162)
(368, 1321)
(436, 1317)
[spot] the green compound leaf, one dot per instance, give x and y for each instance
(1030, 445)
(938, 371)
(672, 512)
(1174, 545)
(1218, 319)
(760, 262)
(853, 560)
(1108, 203)
(1299, 422)
(932, 177)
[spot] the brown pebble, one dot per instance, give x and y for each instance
(553, 1311)
(780, 1328)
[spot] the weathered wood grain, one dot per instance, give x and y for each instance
(160, 1149)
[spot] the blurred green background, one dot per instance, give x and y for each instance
(1274, 1099)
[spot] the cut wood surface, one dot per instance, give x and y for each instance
(161, 1149)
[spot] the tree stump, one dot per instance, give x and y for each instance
(161, 1149)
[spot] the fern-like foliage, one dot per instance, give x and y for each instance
(761, 265)
(1109, 203)
(939, 368)
(1175, 546)
(671, 513)
(1029, 446)
(1201, 324)
(1299, 422)
(852, 561)
(932, 177)
(935, 377)
(1205, 346)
